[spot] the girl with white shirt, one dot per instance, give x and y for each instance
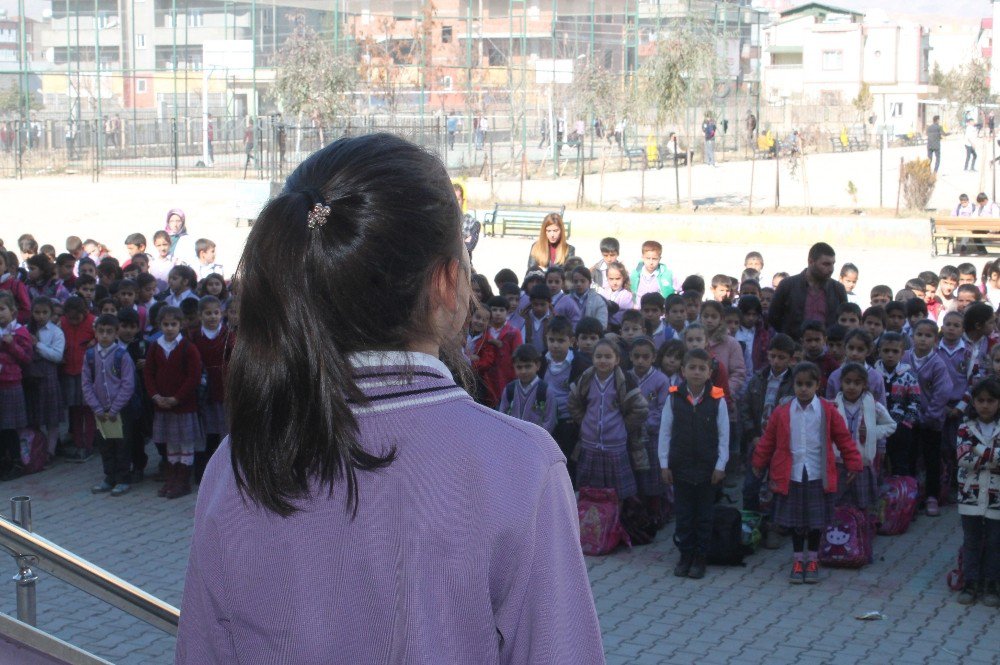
(797, 449)
(41, 384)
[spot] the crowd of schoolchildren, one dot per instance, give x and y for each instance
(652, 386)
(97, 353)
(658, 388)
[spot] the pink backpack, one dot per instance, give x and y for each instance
(847, 542)
(601, 529)
(897, 505)
(34, 450)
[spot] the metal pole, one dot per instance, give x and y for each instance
(100, 111)
(677, 175)
(26, 579)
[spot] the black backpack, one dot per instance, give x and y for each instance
(727, 548)
(637, 521)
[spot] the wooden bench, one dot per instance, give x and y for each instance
(636, 156)
(667, 156)
(519, 220)
(952, 230)
(836, 145)
(858, 144)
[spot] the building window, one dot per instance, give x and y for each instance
(140, 86)
(833, 61)
(446, 34)
(140, 41)
(195, 19)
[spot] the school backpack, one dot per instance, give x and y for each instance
(540, 394)
(34, 450)
(639, 523)
(897, 505)
(847, 541)
(726, 547)
(116, 366)
(601, 529)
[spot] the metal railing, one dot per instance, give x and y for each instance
(31, 551)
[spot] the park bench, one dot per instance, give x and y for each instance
(836, 145)
(952, 230)
(858, 143)
(636, 156)
(512, 219)
(667, 155)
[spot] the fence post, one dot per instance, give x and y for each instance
(19, 151)
(95, 133)
(26, 579)
(173, 142)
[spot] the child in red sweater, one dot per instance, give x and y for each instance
(215, 344)
(15, 353)
(483, 357)
(797, 449)
(77, 325)
(172, 374)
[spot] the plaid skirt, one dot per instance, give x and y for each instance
(44, 400)
(213, 418)
(806, 506)
(72, 390)
(862, 493)
(13, 414)
(178, 428)
(599, 467)
(650, 483)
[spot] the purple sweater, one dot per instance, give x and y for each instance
(524, 404)
(108, 388)
(466, 549)
(935, 388)
(956, 361)
(655, 387)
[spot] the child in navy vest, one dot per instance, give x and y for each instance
(694, 450)
(527, 397)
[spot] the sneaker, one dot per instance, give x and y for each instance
(119, 489)
(932, 507)
(991, 594)
(697, 568)
(798, 573)
(967, 596)
(683, 567)
(105, 486)
(811, 576)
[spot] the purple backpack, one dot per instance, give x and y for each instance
(847, 542)
(897, 505)
(601, 530)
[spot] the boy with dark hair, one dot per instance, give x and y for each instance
(526, 397)
(537, 314)
(135, 244)
(610, 249)
(947, 283)
(880, 295)
(588, 333)
(505, 338)
(873, 321)
(676, 316)
(849, 315)
(694, 451)
(814, 350)
(917, 286)
(651, 306)
(693, 283)
(836, 336)
(108, 383)
(692, 305)
(138, 422)
(560, 368)
(722, 289)
(651, 276)
(916, 311)
(895, 316)
(966, 273)
(965, 295)
(902, 397)
(205, 249)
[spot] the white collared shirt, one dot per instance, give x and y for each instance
(168, 347)
(175, 300)
(807, 440)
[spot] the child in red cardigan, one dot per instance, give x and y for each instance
(172, 374)
(77, 325)
(15, 354)
(797, 449)
(483, 357)
(215, 344)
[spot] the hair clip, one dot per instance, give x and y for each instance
(317, 216)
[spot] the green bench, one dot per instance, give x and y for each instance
(511, 219)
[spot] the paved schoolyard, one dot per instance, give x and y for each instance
(734, 615)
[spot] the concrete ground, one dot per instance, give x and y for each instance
(735, 615)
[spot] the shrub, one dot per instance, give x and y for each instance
(918, 183)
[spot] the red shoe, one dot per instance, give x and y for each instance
(798, 573)
(811, 575)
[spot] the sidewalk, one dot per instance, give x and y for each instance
(734, 615)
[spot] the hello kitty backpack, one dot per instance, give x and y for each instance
(847, 541)
(601, 530)
(897, 505)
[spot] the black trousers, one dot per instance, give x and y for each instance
(694, 504)
(900, 450)
(116, 457)
(981, 550)
(566, 434)
(928, 446)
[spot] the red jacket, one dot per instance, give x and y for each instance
(503, 372)
(21, 298)
(79, 338)
(177, 376)
(15, 356)
(774, 450)
(215, 355)
(487, 354)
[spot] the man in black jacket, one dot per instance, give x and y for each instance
(810, 295)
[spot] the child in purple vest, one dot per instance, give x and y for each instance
(694, 451)
(935, 391)
(654, 386)
(611, 413)
(563, 304)
(560, 369)
(535, 316)
(526, 397)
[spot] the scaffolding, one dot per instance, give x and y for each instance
(186, 87)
